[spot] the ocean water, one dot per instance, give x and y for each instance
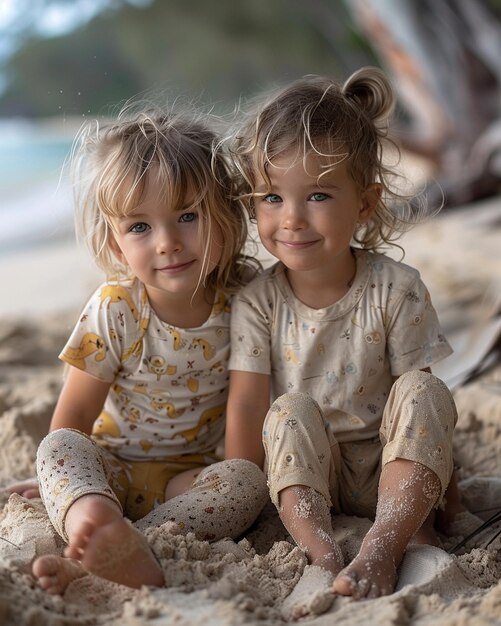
(35, 199)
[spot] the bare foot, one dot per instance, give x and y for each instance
(54, 573)
(372, 573)
(107, 545)
(311, 596)
(27, 488)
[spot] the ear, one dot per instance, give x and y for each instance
(115, 248)
(369, 200)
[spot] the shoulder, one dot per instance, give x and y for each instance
(129, 296)
(266, 282)
(222, 305)
(258, 300)
(388, 270)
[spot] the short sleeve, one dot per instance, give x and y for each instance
(250, 336)
(414, 336)
(107, 328)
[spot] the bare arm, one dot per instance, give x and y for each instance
(80, 402)
(248, 403)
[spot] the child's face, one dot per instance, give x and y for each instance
(164, 248)
(306, 223)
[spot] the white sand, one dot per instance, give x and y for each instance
(232, 583)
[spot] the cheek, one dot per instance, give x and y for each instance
(264, 224)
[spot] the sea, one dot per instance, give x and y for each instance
(35, 196)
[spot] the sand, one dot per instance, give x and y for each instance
(246, 582)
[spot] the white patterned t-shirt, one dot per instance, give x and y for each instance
(345, 355)
(169, 385)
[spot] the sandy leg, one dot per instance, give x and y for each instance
(407, 494)
(306, 515)
(54, 573)
(107, 545)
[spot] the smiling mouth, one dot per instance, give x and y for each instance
(297, 245)
(175, 268)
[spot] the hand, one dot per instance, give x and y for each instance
(27, 488)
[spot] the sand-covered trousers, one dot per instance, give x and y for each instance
(223, 501)
(417, 425)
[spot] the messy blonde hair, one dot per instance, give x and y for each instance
(338, 123)
(112, 163)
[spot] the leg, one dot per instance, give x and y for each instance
(407, 494)
(87, 513)
(299, 458)
(416, 431)
(223, 501)
(306, 515)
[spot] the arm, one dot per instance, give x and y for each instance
(80, 401)
(248, 403)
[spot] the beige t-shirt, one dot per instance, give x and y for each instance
(344, 355)
(169, 385)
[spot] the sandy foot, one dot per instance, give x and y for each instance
(311, 596)
(107, 545)
(54, 573)
(371, 574)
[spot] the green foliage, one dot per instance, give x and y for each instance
(213, 51)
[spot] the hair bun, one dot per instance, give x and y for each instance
(369, 88)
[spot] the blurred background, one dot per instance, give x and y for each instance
(62, 62)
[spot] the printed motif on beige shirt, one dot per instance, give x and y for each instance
(346, 355)
(169, 385)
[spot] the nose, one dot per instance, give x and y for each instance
(294, 217)
(167, 241)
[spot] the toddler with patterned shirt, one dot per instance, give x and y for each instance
(141, 413)
(340, 337)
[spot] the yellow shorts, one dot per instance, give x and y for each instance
(140, 485)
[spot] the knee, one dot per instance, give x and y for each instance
(59, 441)
(295, 405)
(239, 475)
(415, 380)
(247, 473)
(430, 392)
(51, 443)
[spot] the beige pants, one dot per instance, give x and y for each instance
(223, 501)
(417, 425)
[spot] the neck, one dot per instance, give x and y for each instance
(320, 289)
(183, 311)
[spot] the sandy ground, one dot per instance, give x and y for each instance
(245, 582)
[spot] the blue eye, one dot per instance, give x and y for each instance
(272, 198)
(188, 217)
(318, 196)
(140, 227)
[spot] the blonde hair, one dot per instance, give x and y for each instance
(337, 122)
(111, 165)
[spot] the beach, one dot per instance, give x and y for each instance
(246, 581)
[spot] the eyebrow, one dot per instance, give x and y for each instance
(319, 185)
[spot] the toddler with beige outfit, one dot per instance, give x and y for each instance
(341, 337)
